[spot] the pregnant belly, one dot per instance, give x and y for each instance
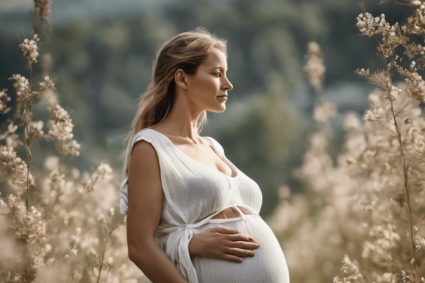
(267, 265)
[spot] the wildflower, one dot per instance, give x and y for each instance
(42, 8)
(51, 163)
(9, 136)
(109, 262)
(74, 241)
(14, 168)
(393, 93)
(366, 23)
(362, 72)
(36, 132)
(284, 192)
(420, 243)
(94, 257)
(57, 183)
(415, 21)
(315, 67)
(73, 245)
(406, 277)
(415, 2)
(375, 115)
(412, 49)
(47, 88)
(111, 212)
(374, 99)
(102, 173)
(24, 95)
(101, 219)
(77, 276)
(324, 111)
(51, 262)
(381, 79)
(387, 277)
(400, 199)
(369, 206)
(351, 122)
(29, 48)
(34, 228)
(61, 126)
(419, 147)
(3, 99)
(47, 248)
(350, 269)
(391, 35)
(416, 85)
(47, 83)
(383, 239)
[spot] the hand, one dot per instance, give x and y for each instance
(222, 243)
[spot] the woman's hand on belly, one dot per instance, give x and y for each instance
(222, 243)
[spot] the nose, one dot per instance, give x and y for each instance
(228, 85)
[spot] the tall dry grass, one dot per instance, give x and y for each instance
(58, 224)
(362, 213)
(367, 207)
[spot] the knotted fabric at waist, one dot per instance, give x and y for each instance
(177, 246)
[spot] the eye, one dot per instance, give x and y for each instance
(217, 73)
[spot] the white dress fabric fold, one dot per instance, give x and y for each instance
(193, 194)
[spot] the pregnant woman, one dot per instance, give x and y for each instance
(192, 215)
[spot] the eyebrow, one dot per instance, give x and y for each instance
(221, 68)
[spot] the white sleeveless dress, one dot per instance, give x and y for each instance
(193, 194)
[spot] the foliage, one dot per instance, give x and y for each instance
(367, 207)
(55, 226)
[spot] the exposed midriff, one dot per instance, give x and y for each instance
(230, 213)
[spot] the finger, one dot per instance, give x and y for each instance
(242, 237)
(243, 245)
(224, 230)
(233, 258)
(240, 252)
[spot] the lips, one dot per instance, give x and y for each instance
(222, 96)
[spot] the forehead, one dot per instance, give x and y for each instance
(216, 58)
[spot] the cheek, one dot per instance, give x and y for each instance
(207, 84)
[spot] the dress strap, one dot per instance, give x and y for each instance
(239, 211)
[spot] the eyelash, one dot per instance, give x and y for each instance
(217, 73)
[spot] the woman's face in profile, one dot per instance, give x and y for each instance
(209, 82)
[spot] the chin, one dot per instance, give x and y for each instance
(220, 110)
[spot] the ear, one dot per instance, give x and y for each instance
(180, 79)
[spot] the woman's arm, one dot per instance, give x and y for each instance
(145, 199)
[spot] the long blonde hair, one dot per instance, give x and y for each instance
(185, 51)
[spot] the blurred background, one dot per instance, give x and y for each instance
(102, 53)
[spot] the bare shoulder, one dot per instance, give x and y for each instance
(143, 153)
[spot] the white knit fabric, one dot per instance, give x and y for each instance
(193, 194)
